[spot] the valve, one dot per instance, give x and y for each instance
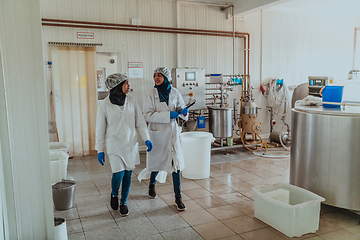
(262, 89)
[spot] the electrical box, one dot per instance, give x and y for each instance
(216, 78)
(191, 84)
(315, 84)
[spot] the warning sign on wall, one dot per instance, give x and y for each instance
(135, 69)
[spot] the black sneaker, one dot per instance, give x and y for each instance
(179, 204)
(152, 192)
(114, 202)
(124, 211)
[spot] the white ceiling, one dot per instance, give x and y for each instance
(349, 8)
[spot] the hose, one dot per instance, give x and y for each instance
(274, 96)
(263, 143)
(270, 156)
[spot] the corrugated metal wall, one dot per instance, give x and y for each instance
(284, 45)
(153, 49)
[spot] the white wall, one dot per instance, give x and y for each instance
(285, 45)
(297, 45)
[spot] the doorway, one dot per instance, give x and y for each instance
(74, 97)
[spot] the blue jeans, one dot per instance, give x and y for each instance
(176, 181)
(117, 178)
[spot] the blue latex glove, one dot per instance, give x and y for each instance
(149, 145)
(101, 157)
(184, 111)
(173, 114)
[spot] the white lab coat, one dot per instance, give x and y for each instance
(116, 126)
(164, 134)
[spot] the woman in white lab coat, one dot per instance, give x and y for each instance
(161, 108)
(118, 118)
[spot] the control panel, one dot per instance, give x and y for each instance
(315, 84)
(191, 84)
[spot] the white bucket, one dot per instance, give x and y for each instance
(59, 146)
(197, 152)
(60, 230)
(58, 165)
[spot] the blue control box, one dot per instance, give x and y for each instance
(200, 122)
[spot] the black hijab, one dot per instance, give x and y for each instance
(117, 96)
(164, 90)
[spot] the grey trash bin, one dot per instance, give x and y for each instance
(63, 194)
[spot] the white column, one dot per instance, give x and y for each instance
(26, 196)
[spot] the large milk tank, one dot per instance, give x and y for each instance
(325, 154)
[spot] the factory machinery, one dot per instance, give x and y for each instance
(211, 93)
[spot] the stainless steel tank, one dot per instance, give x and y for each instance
(220, 121)
(325, 154)
(249, 108)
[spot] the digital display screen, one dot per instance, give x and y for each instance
(190, 76)
(317, 82)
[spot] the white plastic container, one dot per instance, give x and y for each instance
(291, 210)
(197, 152)
(59, 146)
(58, 165)
(60, 230)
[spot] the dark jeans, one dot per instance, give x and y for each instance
(176, 181)
(117, 178)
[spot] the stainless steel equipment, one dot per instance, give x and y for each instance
(248, 122)
(220, 121)
(325, 154)
(191, 84)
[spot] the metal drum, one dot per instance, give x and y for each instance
(325, 154)
(220, 121)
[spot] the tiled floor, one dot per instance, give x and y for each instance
(220, 207)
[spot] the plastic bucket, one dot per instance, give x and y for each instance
(63, 194)
(332, 94)
(60, 229)
(197, 152)
(59, 146)
(229, 141)
(58, 165)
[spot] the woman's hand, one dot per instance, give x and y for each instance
(173, 114)
(149, 145)
(101, 157)
(184, 111)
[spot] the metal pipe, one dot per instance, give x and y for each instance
(355, 36)
(137, 29)
(212, 89)
(232, 13)
(224, 8)
(222, 96)
(235, 110)
(143, 26)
